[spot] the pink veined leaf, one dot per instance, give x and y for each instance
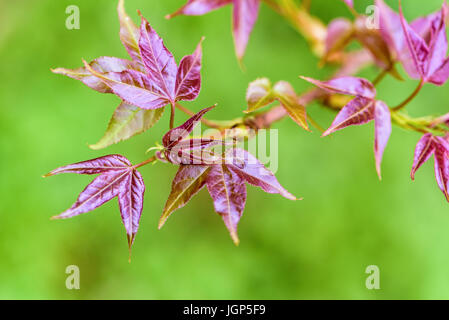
(391, 28)
(158, 60)
(440, 76)
(175, 135)
(424, 149)
(102, 189)
(423, 25)
(442, 165)
(199, 7)
(382, 124)
(244, 17)
(109, 163)
(228, 191)
(188, 77)
(438, 44)
(415, 54)
(130, 199)
(346, 85)
(102, 65)
(117, 177)
(249, 168)
(358, 111)
(133, 87)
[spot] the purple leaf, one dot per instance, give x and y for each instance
(102, 189)
(228, 191)
(117, 178)
(391, 28)
(415, 54)
(133, 87)
(358, 111)
(102, 65)
(110, 163)
(441, 75)
(249, 168)
(130, 199)
(382, 123)
(346, 85)
(199, 7)
(159, 62)
(188, 78)
(438, 42)
(442, 165)
(244, 17)
(175, 135)
(424, 149)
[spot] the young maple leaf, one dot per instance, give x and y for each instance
(261, 93)
(438, 146)
(146, 84)
(225, 176)
(117, 178)
(362, 109)
(244, 16)
(421, 46)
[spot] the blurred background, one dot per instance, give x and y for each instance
(315, 248)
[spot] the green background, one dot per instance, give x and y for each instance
(315, 248)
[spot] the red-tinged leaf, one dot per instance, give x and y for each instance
(102, 65)
(130, 199)
(244, 17)
(188, 181)
(175, 135)
(199, 7)
(129, 33)
(109, 163)
(442, 165)
(117, 178)
(415, 54)
(228, 191)
(438, 44)
(346, 85)
(158, 60)
(188, 78)
(423, 25)
(440, 76)
(290, 101)
(358, 111)
(249, 168)
(391, 28)
(133, 87)
(382, 124)
(102, 189)
(424, 149)
(339, 34)
(127, 121)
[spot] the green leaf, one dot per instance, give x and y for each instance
(127, 121)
